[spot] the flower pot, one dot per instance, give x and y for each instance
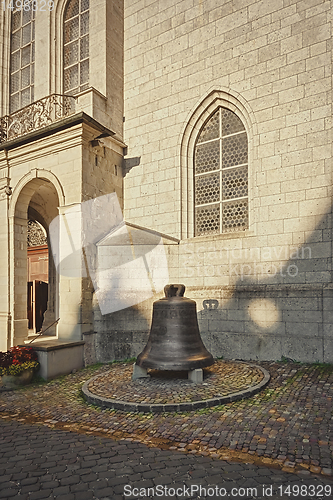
(13, 381)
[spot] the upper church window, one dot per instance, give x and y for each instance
(76, 46)
(221, 175)
(22, 57)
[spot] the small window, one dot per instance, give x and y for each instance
(76, 46)
(22, 58)
(221, 175)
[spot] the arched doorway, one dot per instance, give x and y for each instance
(35, 205)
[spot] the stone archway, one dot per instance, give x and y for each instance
(36, 198)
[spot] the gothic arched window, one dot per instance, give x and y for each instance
(76, 46)
(221, 175)
(22, 58)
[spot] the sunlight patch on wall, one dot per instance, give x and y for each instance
(264, 313)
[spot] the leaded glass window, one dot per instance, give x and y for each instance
(22, 58)
(221, 175)
(76, 46)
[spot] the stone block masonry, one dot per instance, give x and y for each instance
(270, 63)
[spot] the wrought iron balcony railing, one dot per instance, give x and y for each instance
(36, 115)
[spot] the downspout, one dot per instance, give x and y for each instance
(8, 192)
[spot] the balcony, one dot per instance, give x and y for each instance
(36, 115)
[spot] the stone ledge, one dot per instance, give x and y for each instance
(52, 345)
(59, 357)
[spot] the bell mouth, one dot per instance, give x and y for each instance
(185, 364)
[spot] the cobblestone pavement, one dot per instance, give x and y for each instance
(287, 425)
(37, 462)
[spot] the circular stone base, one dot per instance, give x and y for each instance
(225, 381)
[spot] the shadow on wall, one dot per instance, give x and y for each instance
(117, 336)
(286, 310)
(129, 163)
(288, 314)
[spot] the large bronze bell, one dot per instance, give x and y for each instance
(174, 342)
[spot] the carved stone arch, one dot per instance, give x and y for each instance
(38, 193)
(36, 177)
(196, 119)
(60, 6)
(36, 232)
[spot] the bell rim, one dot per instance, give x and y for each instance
(186, 365)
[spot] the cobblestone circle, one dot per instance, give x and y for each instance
(224, 381)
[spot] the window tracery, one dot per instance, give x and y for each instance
(221, 175)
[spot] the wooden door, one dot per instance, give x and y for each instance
(38, 269)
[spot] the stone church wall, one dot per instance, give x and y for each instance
(265, 292)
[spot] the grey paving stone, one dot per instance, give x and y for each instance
(50, 484)
(99, 468)
(163, 480)
(30, 488)
(4, 479)
(85, 471)
(97, 485)
(125, 471)
(108, 493)
(148, 474)
(84, 495)
(118, 480)
(107, 474)
(141, 468)
(90, 463)
(88, 478)
(8, 492)
(40, 494)
(61, 490)
(48, 465)
(59, 469)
